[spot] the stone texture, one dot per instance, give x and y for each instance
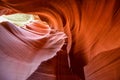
(105, 66)
(92, 29)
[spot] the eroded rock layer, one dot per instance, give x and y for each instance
(92, 28)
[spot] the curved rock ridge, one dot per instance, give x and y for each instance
(92, 26)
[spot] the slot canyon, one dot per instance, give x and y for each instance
(59, 39)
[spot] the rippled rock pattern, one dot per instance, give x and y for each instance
(93, 39)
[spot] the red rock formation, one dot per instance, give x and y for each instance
(92, 28)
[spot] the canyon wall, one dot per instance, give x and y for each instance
(92, 28)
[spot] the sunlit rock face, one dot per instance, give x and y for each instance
(91, 26)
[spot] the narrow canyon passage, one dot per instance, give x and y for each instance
(66, 40)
